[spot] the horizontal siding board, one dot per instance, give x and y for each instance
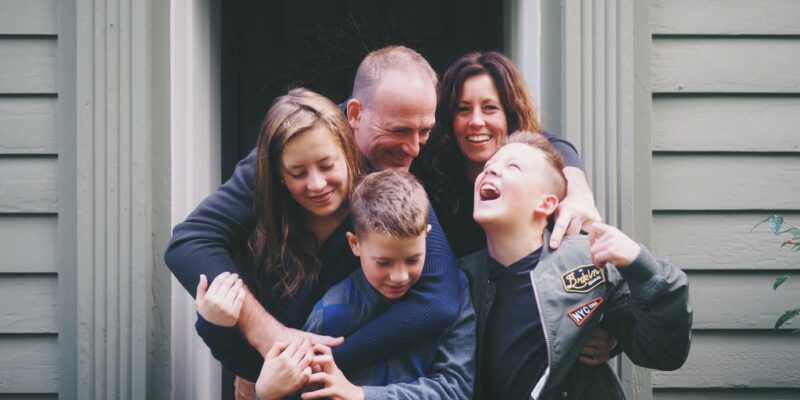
(725, 17)
(28, 243)
(714, 123)
(29, 364)
(28, 185)
(741, 300)
(737, 360)
(28, 17)
(721, 241)
(724, 394)
(27, 65)
(29, 396)
(715, 65)
(28, 304)
(28, 125)
(725, 182)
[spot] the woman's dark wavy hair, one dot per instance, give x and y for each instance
(282, 248)
(443, 165)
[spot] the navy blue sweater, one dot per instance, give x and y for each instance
(205, 242)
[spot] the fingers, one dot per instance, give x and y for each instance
(233, 293)
(318, 394)
(559, 229)
(574, 227)
(325, 340)
(323, 349)
(276, 350)
(201, 288)
(590, 361)
(218, 281)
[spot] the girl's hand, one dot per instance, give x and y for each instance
(222, 302)
(286, 369)
(337, 386)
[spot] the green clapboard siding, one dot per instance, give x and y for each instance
(28, 185)
(29, 364)
(28, 17)
(726, 182)
(28, 125)
(747, 359)
(744, 300)
(725, 17)
(28, 304)
(29, 396)
(726, 65)
(27, 65)
(726, 394)
(28, 243)
(721, 241)
(718, 123)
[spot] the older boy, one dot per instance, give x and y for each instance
(531, 352)
(389, 212)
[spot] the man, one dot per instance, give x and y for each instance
(392, 112)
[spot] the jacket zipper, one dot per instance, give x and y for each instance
(546, 376)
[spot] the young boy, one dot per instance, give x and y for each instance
(537, 308)
(389, 211)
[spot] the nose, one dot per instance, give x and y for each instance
(476, 119)
(399, 274)
(316, 181)
(491, 169)
(411, 147)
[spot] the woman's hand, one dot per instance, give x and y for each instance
(287, 367)
(221, 302)
(577, 211)
(598, 349)
(337, 386)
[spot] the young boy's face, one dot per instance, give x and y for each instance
(513, 187)
(391, 264)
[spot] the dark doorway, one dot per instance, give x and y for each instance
(271, 46)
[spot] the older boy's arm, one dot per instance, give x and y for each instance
(452, 374)
(430, 306)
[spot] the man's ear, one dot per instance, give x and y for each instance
(354, 108)
(352, 240)
(547, 205)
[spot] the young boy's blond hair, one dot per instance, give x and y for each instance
(390, 202)
(555, 174)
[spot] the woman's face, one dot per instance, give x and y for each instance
(480, 123)
(314, 169)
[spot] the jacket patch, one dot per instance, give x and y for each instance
(583, 279)
(581, 313)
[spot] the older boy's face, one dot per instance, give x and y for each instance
(391, 264)
(511, 186)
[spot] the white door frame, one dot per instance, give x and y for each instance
(195, 171)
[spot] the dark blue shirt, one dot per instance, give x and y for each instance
(515, 349)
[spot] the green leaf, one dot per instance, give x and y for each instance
(792, 231)
(786, 317)
(779, 281)
(775, 223)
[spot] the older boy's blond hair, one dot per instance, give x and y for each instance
(555, 174)
(391, 202)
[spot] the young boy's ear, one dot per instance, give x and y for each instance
(352, 240)
(547, 205)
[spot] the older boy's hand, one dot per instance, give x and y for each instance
(577, 211)
(221, 302)
(610, 245)
(287, 367)
(337, 386)
(598, 349)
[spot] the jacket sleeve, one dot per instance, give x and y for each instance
(430, 306)
(650, 313)
(452, 374)
(566, 149)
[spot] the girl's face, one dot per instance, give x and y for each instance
(314, 169)
(480, 124)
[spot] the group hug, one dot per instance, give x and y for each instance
(422, 240)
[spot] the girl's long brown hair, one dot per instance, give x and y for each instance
(284, 252)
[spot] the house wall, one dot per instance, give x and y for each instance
(725, 128)
(29, 264)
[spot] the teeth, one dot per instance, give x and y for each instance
(478, 138)
(489, 192)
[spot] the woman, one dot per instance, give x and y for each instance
(482, 98)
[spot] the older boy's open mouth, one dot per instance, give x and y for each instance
(488, 192)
